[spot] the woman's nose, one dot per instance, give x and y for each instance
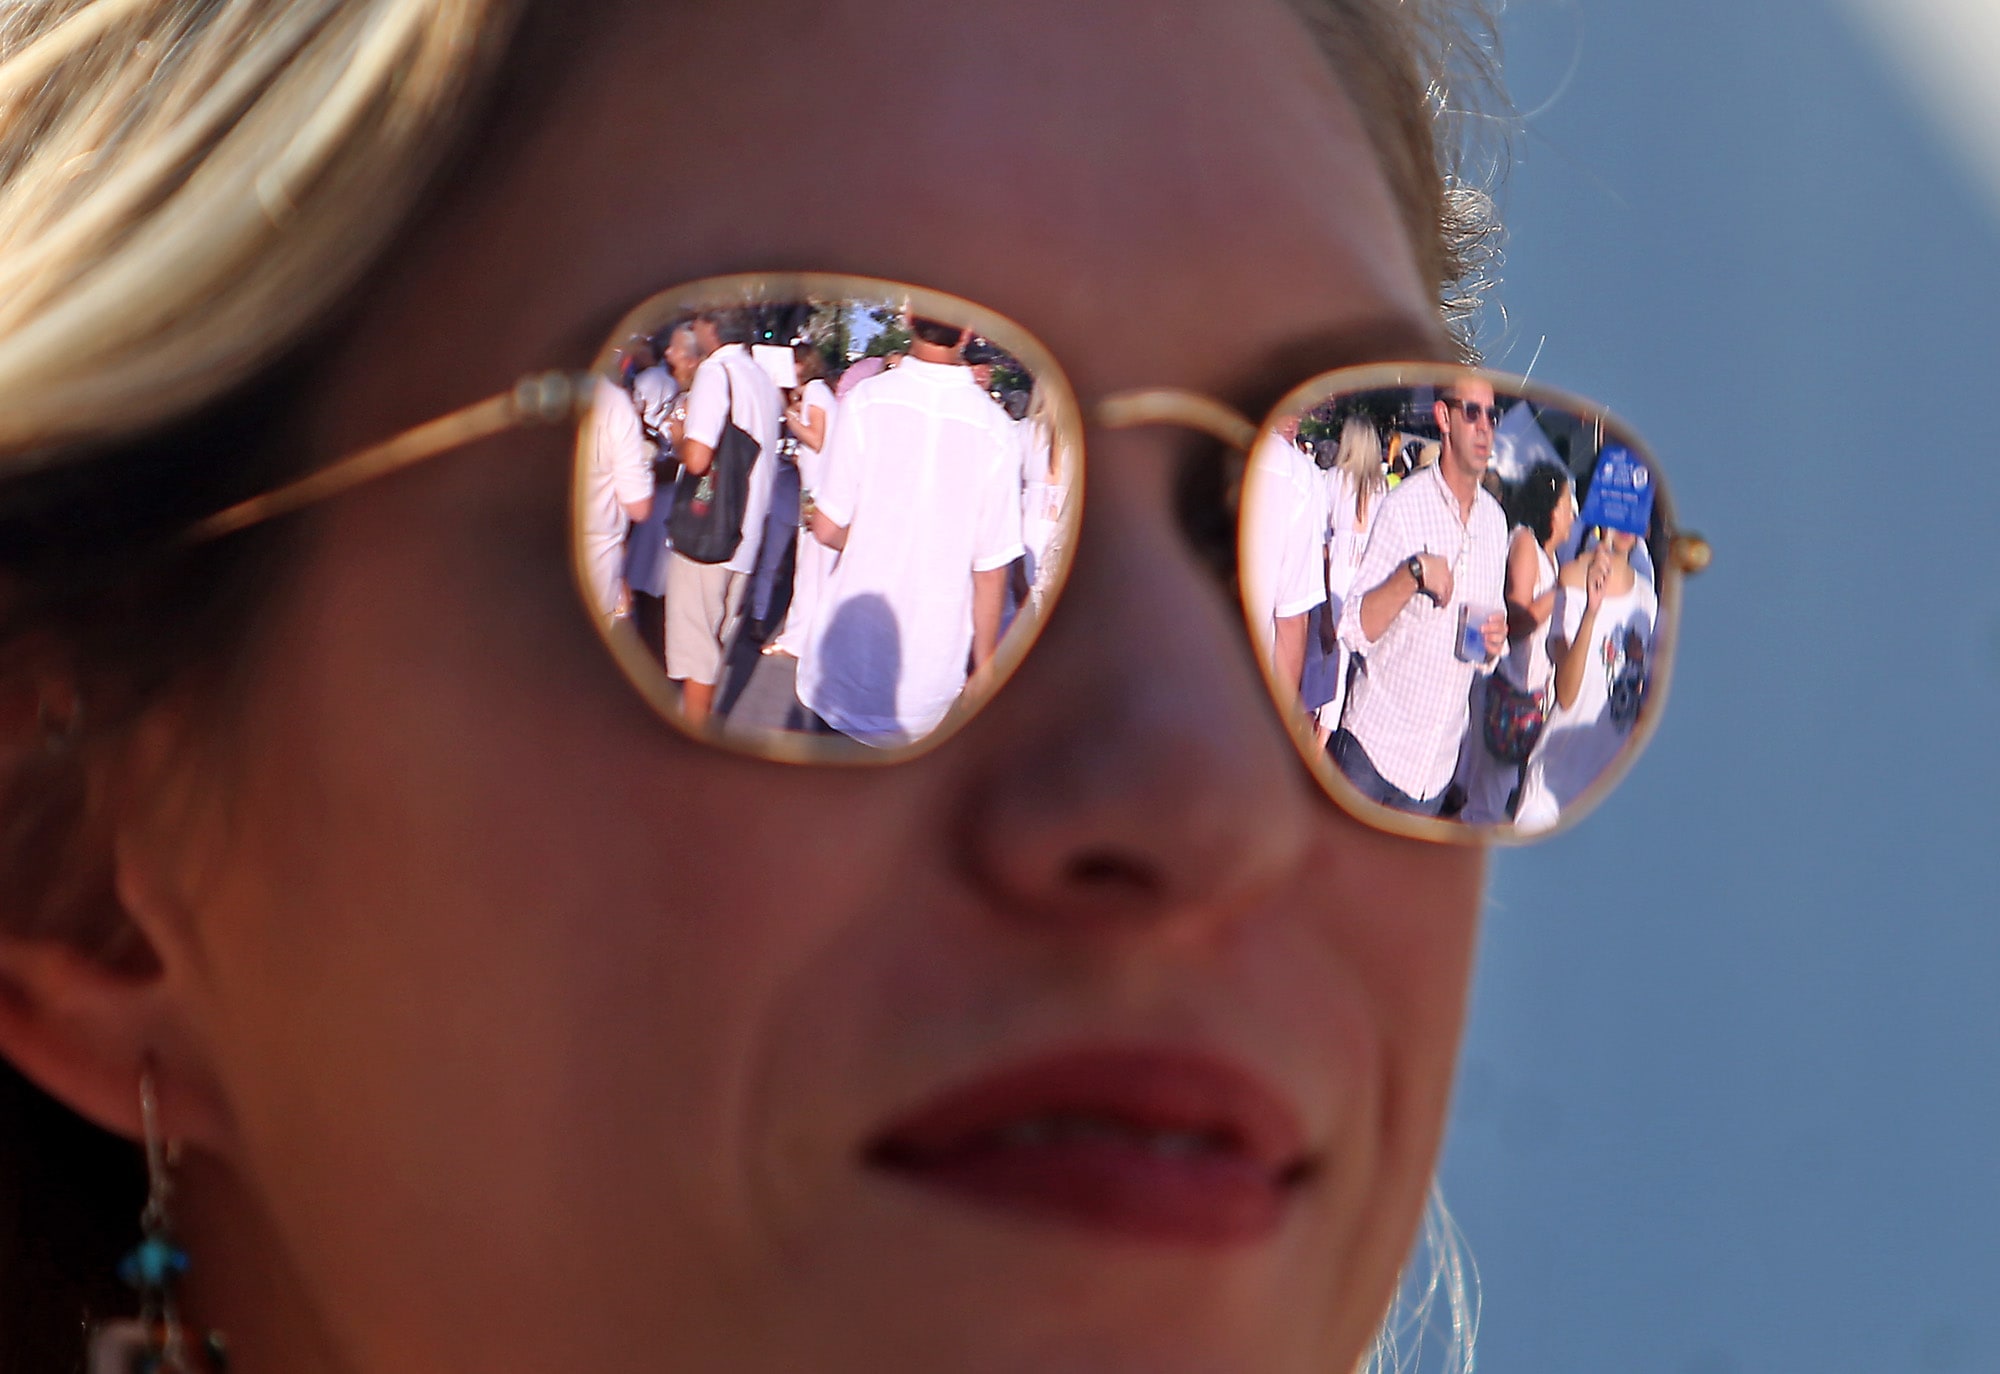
(1136, 767)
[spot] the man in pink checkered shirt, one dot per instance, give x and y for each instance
(1439, 545)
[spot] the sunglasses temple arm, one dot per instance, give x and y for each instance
(548, 398)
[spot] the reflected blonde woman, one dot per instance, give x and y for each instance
(1358, 482)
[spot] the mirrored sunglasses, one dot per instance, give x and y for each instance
(1475, 412)
(823, 519)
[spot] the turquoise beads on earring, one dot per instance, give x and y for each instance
(156, 1263)
(155, 1343)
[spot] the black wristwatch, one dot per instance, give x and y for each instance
(1415, 568)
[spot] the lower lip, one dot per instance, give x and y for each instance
(1118, 1188)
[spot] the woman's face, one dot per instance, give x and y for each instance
(1564, 518)
(550, 1040)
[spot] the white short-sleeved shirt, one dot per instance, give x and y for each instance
(730, 376)
(1409, 704)
(620, 474)
(816, 395)
(923, 470)
(1582, 739)
(1284, 540)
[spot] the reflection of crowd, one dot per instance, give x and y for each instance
(1464, 653)
(882, 549)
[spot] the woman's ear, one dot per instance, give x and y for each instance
(94, 937)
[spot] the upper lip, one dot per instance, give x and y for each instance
(1150, 1091)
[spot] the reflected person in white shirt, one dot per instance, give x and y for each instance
(618, 492)
(921, 494)
(1284, 549)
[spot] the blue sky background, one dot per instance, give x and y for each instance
(1730, 1101)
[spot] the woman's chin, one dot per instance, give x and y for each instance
(951, 1278)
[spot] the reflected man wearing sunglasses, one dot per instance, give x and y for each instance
(1440, 543)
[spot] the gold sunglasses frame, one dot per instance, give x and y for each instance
(558, 397)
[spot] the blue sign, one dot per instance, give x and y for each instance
(1621, 492)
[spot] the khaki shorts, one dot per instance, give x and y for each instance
(703, 601)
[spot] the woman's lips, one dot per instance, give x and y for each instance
(1161, 1146)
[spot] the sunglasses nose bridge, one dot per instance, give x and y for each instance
(1173, 406)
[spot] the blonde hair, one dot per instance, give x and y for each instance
(1424, 75)
(1360, 457)
(1435, 1315)
(186, 185)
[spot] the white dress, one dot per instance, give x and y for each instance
(1584, 738)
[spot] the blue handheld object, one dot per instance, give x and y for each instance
(1621, 492)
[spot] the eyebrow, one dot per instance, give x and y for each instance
(1258, 387)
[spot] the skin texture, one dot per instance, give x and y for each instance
(510, 1030)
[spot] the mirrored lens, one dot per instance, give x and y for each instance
(819, 518)
(1462, 592)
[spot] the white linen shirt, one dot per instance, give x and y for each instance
(1408, 707)
(730, 375)
(620, 474)
(924, 472)
(1284, 539)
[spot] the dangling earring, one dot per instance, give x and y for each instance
(154, 1343)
